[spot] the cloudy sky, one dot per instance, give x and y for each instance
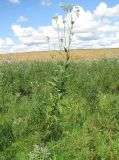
(26, 23)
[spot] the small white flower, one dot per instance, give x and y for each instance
(39, 153)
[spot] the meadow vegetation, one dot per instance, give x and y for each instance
(60, 110)
(84, 124)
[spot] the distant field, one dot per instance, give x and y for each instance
(75, 54)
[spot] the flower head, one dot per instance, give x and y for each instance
(77, 11)
(55, 18)
(67, 7)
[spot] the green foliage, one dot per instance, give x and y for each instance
(6, 136)
(10, 153)
(87, 126)
(52, 124)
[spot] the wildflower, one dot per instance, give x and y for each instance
(17, 121)
(18, 94)
(39, 153)
(67, 7)
(55, 18)
(36, 147)
(77, 11)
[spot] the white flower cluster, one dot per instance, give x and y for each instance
(39, 153)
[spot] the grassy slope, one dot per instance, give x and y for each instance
(90, 117)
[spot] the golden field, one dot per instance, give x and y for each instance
(54, 55)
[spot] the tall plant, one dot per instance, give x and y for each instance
(57, 85)
(70, 17)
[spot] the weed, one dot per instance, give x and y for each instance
(57, 84)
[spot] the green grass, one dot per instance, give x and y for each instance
(89, 122)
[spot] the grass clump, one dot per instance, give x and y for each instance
(6, 134)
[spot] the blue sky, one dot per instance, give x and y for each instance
(36, 13)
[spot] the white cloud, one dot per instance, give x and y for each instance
(22, 19)
(14, 1)
(46, 2)
(97, 29)
(104, 11)
(6, 42)
(28, 35)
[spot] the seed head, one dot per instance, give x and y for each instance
(72, 22)
(61, 40)
(64, 21)
(77, 11)
(48, 38)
